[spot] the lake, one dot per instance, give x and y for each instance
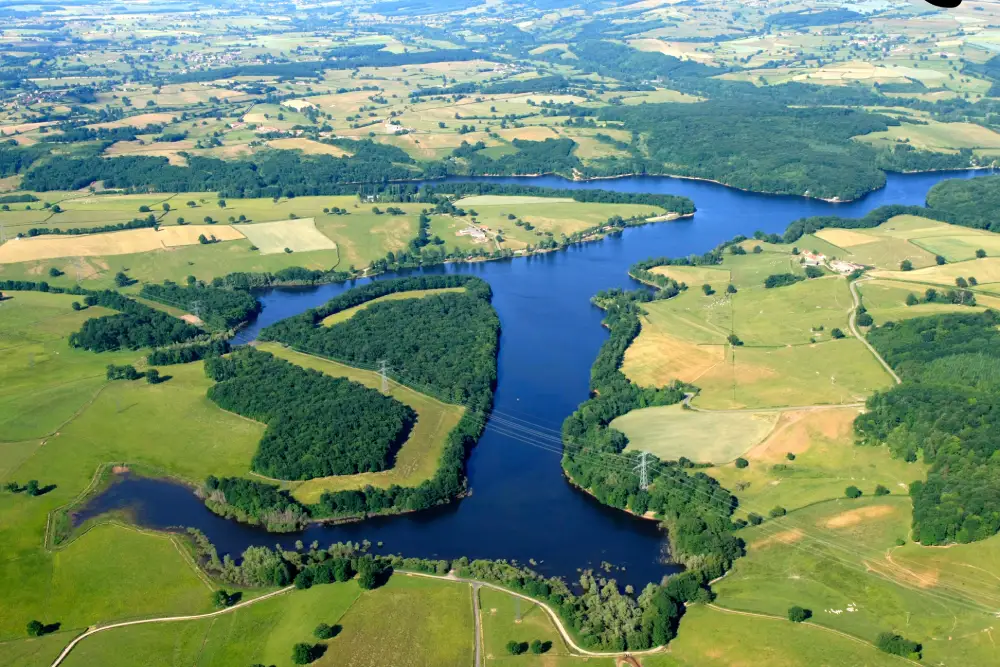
(521, 508)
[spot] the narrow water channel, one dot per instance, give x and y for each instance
(521, 507)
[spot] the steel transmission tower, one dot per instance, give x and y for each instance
(383, 368)
(643, 469)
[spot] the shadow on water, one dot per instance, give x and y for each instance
(521, 507)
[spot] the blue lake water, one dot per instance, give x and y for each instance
(521, 507)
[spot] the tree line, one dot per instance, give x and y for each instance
(947, 411)
(135, 223)
(317, 425)
(695, 508)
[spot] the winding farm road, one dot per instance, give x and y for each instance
(168, 619)
(852, 324)
(548, 610)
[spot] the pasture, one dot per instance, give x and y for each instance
(937, 136)
(298, 235)
(671, 432)
(62, 421)
(417, 459)
(711, 637)
(985, 271)
(840, 560)
(409, 622)
(826, 461)
(886, 301)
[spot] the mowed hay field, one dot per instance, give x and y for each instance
(347, 314)
(985, 271)
(62, 420)
(295, 235)
(840, 559)
(826, 461)
(671, 432)
(418, 458)
(111, 243)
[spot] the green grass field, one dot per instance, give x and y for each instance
(671, 432)
(839, 556)
(416, 461)
(410, 622)
(886, 301)
(506, 618)
(262, 633)
(110, 572)
(713, 638)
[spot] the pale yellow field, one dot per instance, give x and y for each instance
(298, 235)
(695, 276)
(655, 358)
(845, 238)
(347, 314)
(307, 146)
(141, 120)
(111, 243)
(497, 200)
(986, 270)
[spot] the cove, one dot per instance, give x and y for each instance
(521, 506)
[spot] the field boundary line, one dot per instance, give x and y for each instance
(772, 617)
(166, 619)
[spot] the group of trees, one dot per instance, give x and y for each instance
(447, 345)
(184, 354)
(219, 308)
(782, 280)
(946, 410)
(254, 502)
(317, 425)
(135, 327)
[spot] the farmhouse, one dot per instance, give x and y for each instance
(813, 259)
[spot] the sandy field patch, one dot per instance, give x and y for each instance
(111, 243)
(986, 270)
(845, 238)
(7, 130)
(500, 200)
(696, 275)
(860, 515)
(784, 537)
(796, 430)
(307, 146)
(297, 235)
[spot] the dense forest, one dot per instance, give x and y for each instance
(443, 345)
(272, 173)
(971, 202)
(695, 508)
(948, 411)
(218, 308)
(135, 327)
(317, 425)
(764, 147)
